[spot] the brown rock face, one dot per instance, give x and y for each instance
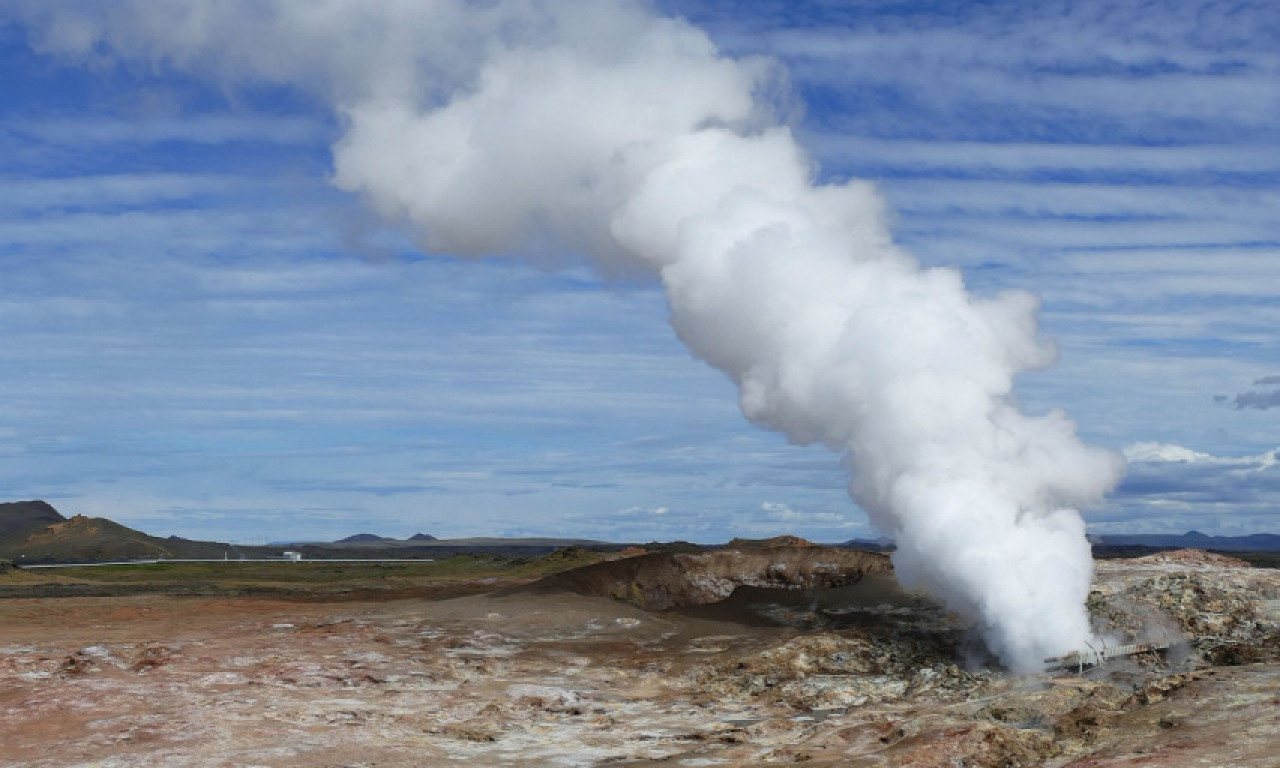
(662, 580)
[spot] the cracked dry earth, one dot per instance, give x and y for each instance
(862, 676)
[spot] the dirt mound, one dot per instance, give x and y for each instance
(661, 580)
(629, 552)
(776, 541)
(1191, 557)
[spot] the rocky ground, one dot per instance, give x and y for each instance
(853, 675)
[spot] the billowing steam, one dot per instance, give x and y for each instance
(515, 125)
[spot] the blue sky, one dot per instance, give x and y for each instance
(200, 336)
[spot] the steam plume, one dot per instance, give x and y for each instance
(494, 127)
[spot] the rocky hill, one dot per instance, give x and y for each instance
(35, 532)
(85, 538)
(18, 518)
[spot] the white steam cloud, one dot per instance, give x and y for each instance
(511, 126)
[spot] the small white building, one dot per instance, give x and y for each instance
(292, 556)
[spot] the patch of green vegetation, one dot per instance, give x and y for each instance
(673, 546)
(560, 560)
(107, 572)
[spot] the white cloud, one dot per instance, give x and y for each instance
(644, 511)
(1164, 453)
(1161, 452)
(782, 513)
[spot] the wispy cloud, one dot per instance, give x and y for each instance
(119, 133)
(1027, 159)
(1266, 396)
(1093, 69)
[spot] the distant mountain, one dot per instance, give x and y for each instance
(1255, 542)
(363, 537)
(422, 537)
(18, 518)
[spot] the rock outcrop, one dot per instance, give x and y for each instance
(662, 580)
(18, 518)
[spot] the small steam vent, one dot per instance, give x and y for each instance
(1081, 660)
